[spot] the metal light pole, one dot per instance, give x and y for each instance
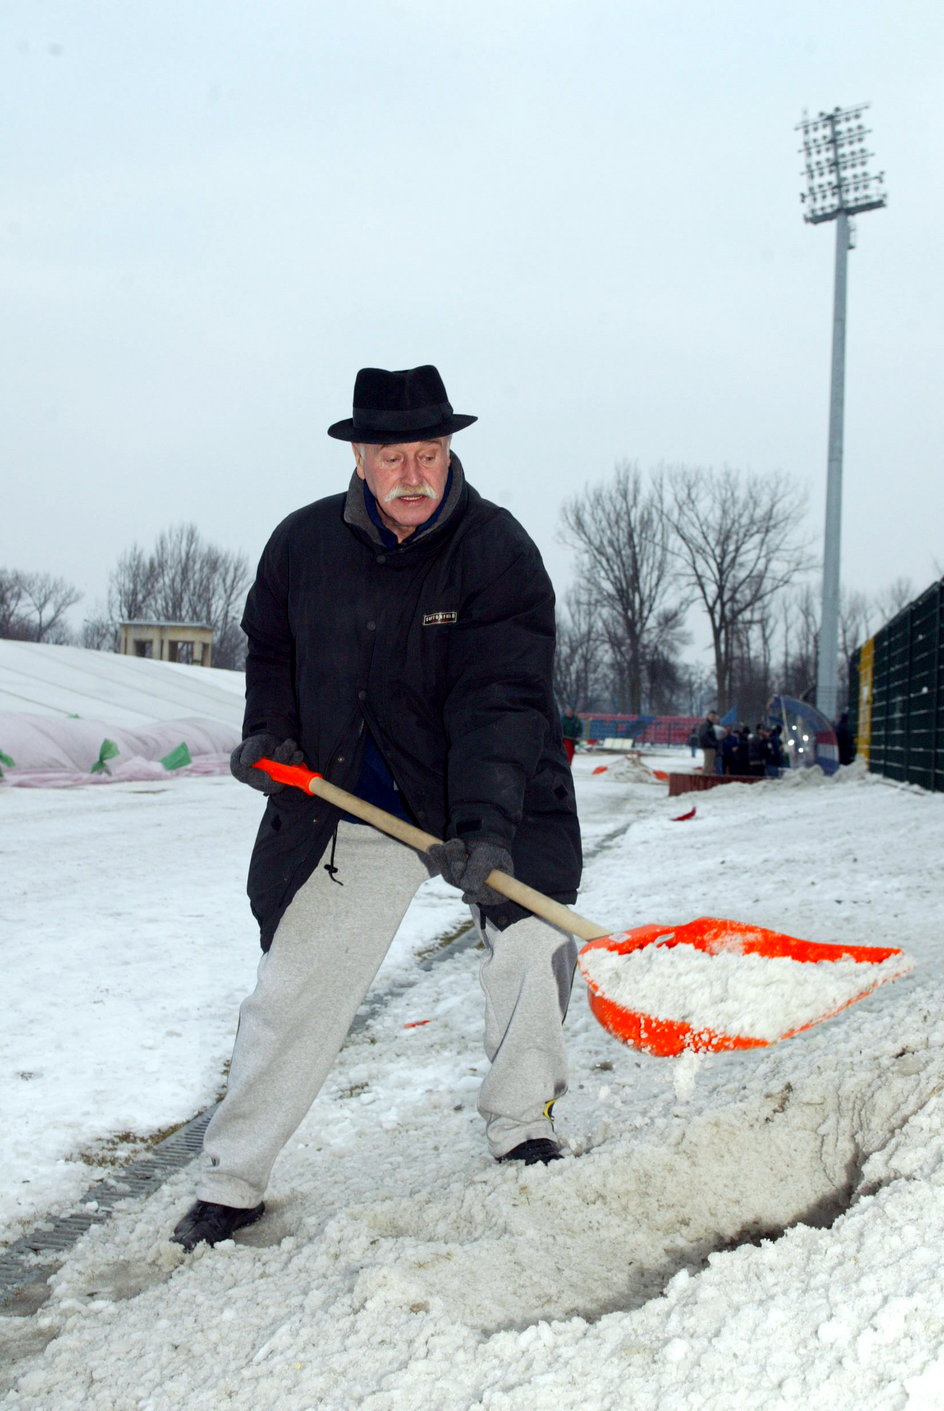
(838, 187)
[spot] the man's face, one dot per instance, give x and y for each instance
(406, 480)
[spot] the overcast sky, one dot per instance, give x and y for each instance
(586, 214)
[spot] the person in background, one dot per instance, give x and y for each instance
(742, 753)
(773, 755)
(708, 740)
(757, 749)
(729, 745)
(844, 740)
(572, 731)
(777, 755)
(721, 732)
(693, 742)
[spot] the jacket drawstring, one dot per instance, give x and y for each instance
(329, 866)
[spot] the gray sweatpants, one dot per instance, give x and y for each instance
(310, 984)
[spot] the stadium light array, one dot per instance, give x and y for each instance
(836, 162)
(838, 186)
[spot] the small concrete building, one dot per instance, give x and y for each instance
(189, 642)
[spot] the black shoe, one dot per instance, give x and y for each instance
(207, 1222)
(534, 1150)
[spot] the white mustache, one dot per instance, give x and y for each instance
(400, 492)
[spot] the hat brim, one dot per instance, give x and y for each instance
(346, 431)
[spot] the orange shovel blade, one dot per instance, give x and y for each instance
(667, 1038)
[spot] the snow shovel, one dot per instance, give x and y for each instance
(662, 1035)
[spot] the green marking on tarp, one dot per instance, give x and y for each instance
(178, 757)
(7, 760)
(108, 751)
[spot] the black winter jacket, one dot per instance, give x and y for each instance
(442, 647)
(708, 736)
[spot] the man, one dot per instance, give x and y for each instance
(844, 739)
(401, 642)
(708, 739)
(572, 731)
(758, 751)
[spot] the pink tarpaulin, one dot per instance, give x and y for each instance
(43, 751)
(128, 771)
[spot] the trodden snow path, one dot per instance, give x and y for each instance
(398, 1267)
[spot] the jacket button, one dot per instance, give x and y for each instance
(381, 558)
(340, 759)
(371, 627)
(362, 695)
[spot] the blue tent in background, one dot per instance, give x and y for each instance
(807, 734)
(730, 718)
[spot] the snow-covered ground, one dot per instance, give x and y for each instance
(769, 1234)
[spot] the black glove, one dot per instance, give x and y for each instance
(466, 865)
(264, 746)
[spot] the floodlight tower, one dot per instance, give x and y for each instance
(838, 186)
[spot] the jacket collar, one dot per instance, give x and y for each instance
(361, 513)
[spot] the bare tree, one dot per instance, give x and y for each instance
(666, 677)
(890, 601)
(751, 664)
(696, 689)
(579, 666)
(855, 617)
(737, 545)
(13, 617)
(131, 585)
(184, 579)
(99, 632)
(799, 611)
(625, 568)
(33, 606)
(49, 600)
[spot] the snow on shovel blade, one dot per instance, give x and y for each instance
(713, 984)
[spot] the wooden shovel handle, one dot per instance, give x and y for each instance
(553, 911)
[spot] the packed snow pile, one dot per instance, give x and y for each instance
(69, 716)
(750, 996)
(631, 769)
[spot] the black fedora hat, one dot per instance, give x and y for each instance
(399, 406)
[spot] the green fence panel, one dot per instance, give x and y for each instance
(907, 733)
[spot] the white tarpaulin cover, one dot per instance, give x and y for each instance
(49, 680)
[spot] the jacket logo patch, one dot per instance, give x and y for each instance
(437, 619)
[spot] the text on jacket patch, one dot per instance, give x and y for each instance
(436, 619)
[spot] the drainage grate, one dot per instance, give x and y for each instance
(33, 1257)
